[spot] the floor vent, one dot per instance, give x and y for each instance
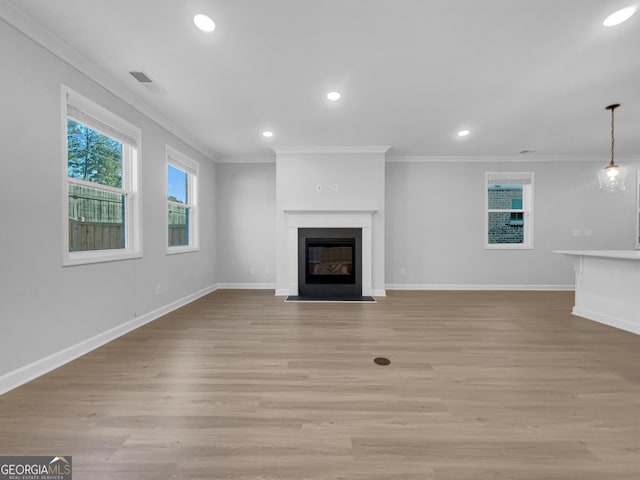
(381, 361)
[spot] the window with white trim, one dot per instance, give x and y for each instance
(182, 202)
(101, 207)
(509, 210)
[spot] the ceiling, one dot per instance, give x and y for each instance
(519, 74)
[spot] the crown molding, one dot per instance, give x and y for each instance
(437, 158)
(247, 159)
(33, 30)
(525, 158)
(330, 150)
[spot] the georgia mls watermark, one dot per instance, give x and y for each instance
(35, 468)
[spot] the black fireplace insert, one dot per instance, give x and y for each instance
(330, 262)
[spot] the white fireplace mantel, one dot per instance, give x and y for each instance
(362, 219)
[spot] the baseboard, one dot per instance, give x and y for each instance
(247, 286)
(282, 292)
(619, 323)
(25, 374)
(456, 286)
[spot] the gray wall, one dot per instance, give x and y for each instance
(246, 222)
(435, 223)
(45, 308)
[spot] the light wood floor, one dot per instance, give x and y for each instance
(240, 385)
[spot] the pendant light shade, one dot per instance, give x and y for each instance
(612, 177)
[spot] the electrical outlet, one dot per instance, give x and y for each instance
(403, 271)
(576, 232)
(158, 289)
(252, 271)
(588, 232)
(336, 187)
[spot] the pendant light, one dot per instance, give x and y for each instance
(612, 176)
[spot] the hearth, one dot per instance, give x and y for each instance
(330, 262)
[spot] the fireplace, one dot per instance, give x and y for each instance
(337, 224)
(329, 262)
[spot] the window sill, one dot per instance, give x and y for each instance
(178, 250)
(508, 246)
(98, 256)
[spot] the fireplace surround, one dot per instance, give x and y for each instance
(361, 220)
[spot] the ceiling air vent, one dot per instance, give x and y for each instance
(141, 77)
(146, 82)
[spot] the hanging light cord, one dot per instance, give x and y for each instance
(613, 141)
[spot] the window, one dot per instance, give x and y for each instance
(182, 202)
(509, 210)
(101, 205)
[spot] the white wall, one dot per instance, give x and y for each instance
(45, 308)
(435, 223)
(359, 178)
(246, 212)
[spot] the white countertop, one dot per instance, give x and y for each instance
(619, 254)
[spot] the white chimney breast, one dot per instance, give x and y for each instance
(358, 202)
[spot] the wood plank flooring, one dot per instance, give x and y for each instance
(240, 385)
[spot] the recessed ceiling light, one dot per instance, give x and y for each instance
(333, 96)
(267, 134)
(618, 17)
(463, 133)
(204, 23)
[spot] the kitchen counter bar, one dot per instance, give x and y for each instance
(607, 286)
